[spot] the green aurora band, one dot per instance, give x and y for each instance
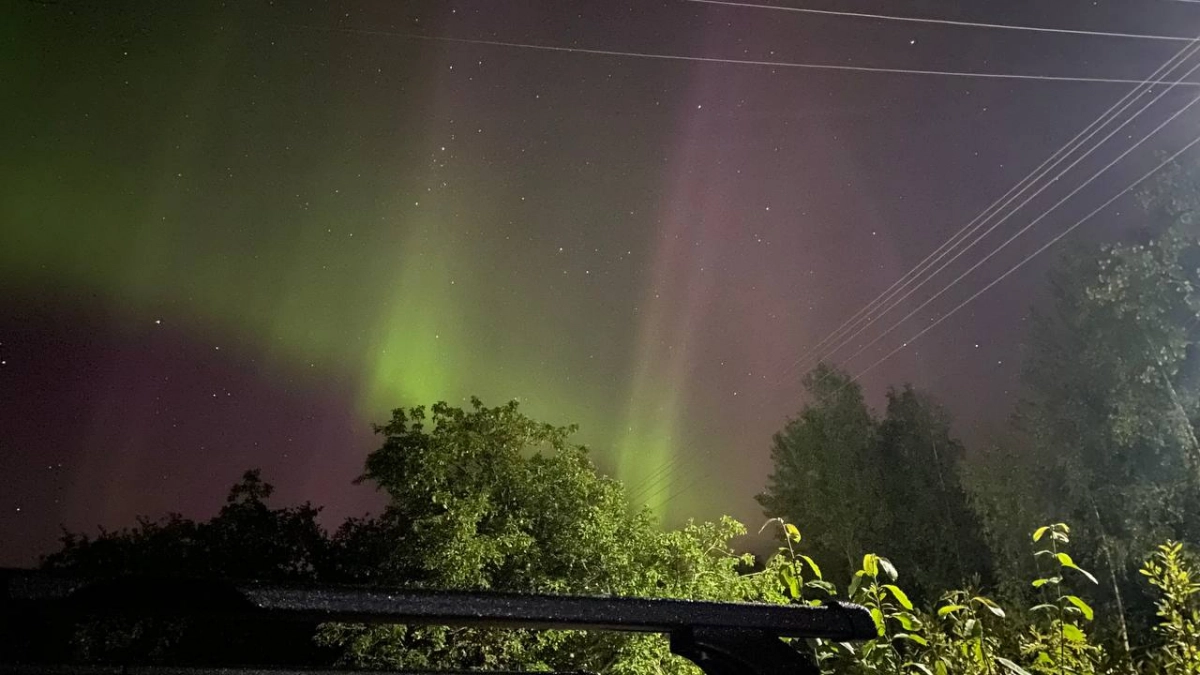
(205, 184)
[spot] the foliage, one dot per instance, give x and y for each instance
(964, 640)
(896, 621)
(970, 634)
(486, 498)
(859, 483)
(1056, 642)
(246, 540)
(1170, 571)
(922, 490)
(1108, 397)
(1007, 486)
(825, 474)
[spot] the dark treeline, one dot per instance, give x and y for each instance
(1104, 439)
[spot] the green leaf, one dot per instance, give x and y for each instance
(788, 575)
(909, 621)
(948, 609)
(1038, 583)
(1038, 533)
(1066, 561)
(812, 566)
(877, 617)
(822, 585)
(888, 568)
(912, 638)
(1073, 633)
(1043, 606)
(792, 532)
(900, 596)
(870, 565)
(1016, 670)
(855, 583)
(919, 666)
(1084, 608)
(992, 607)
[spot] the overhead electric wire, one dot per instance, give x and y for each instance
(741, 62)
(997, 224)
(1025, 229)
(689, 485)
(655, 478)
(1031, 256)
(1144, 87)
(683, 489)
(1060, 155)
(773, 64)
(641, 484)
(944, 22)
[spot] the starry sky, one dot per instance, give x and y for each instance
(233, 235)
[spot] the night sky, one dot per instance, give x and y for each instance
(233, 235)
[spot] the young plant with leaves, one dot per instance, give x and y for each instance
(1057, 643)
(901, 632)
(1169, 571)
(799, 575)
(797, 571)
(965, 640)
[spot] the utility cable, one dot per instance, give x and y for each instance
(740, 62)
(944, 22)
(899, 286)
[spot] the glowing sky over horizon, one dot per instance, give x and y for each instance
(232, 239)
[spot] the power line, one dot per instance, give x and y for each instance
(1030, 225)
(1033, 177)
(689, 485)
(1031, 256)
(684, 489)
(1002, 220)
(946, 22)
(737, 62)
(656, 478)
(1145, 86)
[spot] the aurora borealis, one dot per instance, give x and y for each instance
(235, 234)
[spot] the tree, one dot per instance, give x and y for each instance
(855, 484)
(826, 477)
(1008, 489)
(486, 498)
(1104, 390)
(478, 498)
(246, 540)
(1110, 401)
(933, 532)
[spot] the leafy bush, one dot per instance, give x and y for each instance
(1169, 571)
(968, 633)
